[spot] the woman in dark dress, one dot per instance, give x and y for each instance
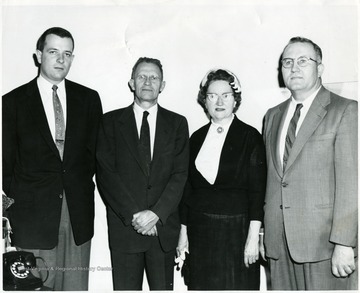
(222, 207)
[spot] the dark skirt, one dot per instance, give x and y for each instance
(216, 260)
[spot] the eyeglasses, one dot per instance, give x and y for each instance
(224, 97)
(301, 61)
(152, 78)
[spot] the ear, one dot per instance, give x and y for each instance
(131, 84)
(163, 83)
(321, 68)
(38, 56)
(206, 110)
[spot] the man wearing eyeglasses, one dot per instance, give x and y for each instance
(142, 157)
(311, 197)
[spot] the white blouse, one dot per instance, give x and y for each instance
(208, 158)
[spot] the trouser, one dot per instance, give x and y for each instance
(128, 268)
(67, 263)
(286, 274)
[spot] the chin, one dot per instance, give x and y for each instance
(219, 118)
(295, 86)
(150, 100)
(147, 97)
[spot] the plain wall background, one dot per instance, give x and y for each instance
(189, 37)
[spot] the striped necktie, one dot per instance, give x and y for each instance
(290, 136)
(59, 123)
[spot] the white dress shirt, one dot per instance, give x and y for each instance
(290, 113)
(138, 111)
(46, 93)
(208, 158)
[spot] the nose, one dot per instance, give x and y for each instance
(60, 58)
(219, 101)
(295, 67)
(147, 80)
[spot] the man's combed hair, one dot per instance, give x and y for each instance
(58, 31)
(317, 49)
(147, 60)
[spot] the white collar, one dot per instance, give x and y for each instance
(308, 101)
(152, 110)
(47, 86)
(223, 126)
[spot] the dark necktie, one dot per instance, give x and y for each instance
(59, 123)
(145, 141)
(290, 136)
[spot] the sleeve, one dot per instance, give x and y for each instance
(345, 215)
(183, 207)
(257, 179)
(171, 196)
(95, 114)
(9, 141)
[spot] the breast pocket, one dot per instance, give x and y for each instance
(320, 146)
(322, 137)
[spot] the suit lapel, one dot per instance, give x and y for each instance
(127, 129)
(277, 123)
(73, 108)
(312, 120)
(37, 110)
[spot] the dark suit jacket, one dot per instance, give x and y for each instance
(240, 183)
(35, 176)
(318, 189)
(123, 182)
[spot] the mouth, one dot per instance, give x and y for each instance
(219, 109)
(58, 68)
(146, 90)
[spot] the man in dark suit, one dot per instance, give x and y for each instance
(311, 196)
(49, 136)
(142, 158)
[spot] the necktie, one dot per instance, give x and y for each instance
(59, 123)
(145, 141)
(290, 136)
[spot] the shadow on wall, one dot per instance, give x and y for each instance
(280, 76)
(36, 63)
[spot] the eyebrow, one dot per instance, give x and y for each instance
(297, 57)
(56, 49)
(150, 74)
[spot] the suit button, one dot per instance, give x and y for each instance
(281, 207)
(60, 196)
(284, 184)
(149, 187)
(64, 171)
